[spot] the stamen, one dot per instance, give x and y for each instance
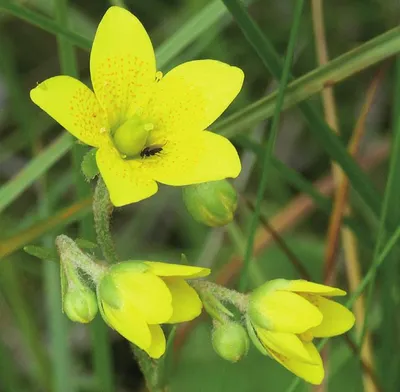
(159, 76)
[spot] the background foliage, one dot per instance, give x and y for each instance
(42, 192)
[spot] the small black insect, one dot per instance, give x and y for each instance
(150, 151)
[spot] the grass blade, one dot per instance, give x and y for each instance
(269, 148)
(320, 130)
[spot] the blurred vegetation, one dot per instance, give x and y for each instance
(42, 192)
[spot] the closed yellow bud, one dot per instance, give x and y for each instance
(230, 341)
(212, 203)
(80, 305)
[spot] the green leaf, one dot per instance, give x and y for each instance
(85, 244)
(89, 165)
(270, 143)
(41, 252)
(340, 68)
(317, 126)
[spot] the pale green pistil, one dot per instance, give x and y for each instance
(131, 137)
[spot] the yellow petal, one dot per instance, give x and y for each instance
(157, 347)
(147, 293)
(303, 286)
(312, 373)
(287, 344)
(193, 95)
(169, 269)
(130, 323)
(122, 64)
(186, 303)
(194, 158)
(284, 312)
(336, 318)
(125, 180)
(73, 106)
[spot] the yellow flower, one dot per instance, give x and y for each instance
(286, 316)
(147, 128)
(135, 297)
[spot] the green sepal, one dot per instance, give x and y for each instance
(215, 308)
(184, 260)
(89, 165)
(41, 252)
(64, 285)
(254, 338)
(108, 292)
(85, 244)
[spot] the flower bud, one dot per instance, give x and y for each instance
(212, 203)
(230, 341)
(130, 138)
(80, 305)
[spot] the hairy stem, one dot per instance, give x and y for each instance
(102, 210)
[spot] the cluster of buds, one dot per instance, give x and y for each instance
(281, 317)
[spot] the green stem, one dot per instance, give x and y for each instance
(149, 368)
(102, 210)
(222, 293)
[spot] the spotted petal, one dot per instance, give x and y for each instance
(194, 158)
(193, 95)
(125, 179)
(122, 65)
(287, 344)
(312, 373)
(74, 106)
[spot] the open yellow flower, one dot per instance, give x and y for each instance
(286, 316)
(147, 128)
(136, 297)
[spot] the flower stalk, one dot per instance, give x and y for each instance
(102, 210)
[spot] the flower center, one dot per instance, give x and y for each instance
(130, 138)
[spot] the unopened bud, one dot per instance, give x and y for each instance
(230, 341)
(212, 203)
(80, 305)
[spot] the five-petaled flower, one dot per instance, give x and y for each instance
(286, 315)
(136, 297)
(147, 128)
